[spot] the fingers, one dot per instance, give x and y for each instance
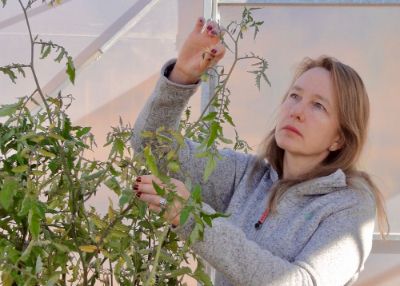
(144, 184)
(154, 208)
(151, 199)
(148, 179)
(212, 28)
(199, 25)
(212, 56)
(218, 51)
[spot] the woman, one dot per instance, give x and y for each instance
(304, 217)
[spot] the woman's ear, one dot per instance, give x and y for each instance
(337, 144)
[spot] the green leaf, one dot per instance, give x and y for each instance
(173, 166)
(88, 248)
(46, 49)
(93, 176)
(208, 220)
(101, 224)
(20, 169)
(196, 194)
(53, 279)
(113, 184)
(8, 109)
(83, 131)
(34, 222)
(228, 118)
(160, 191)
(61, 247)
(178, 137)
(125, 197)
(180, 272)
(7, 192)
(56, 136)
(25, 206)
(150, 161)
(216, 215)
(10, 73)
(39, 265)
(210, 166)
(210, 116)
(71, 70)
(266, 78)
(226, 140)
(185, 214)
(46, 153)
(213, 133)
(6, 277)
(202, 276)
(119, 146)
(60, 56)
(195, 234)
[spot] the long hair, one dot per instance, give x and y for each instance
(353, 114)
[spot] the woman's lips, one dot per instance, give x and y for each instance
(293, 129)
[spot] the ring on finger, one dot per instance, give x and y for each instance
(163, 203)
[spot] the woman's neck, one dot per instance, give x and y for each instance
(294, 166)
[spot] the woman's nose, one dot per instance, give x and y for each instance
(297, 112)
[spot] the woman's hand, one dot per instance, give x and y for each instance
(145, 192)
(201, 50)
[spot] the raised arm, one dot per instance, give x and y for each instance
(164, 108)
(178, 82)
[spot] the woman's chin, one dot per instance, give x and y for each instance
(287, 144)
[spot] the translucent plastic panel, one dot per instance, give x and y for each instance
(364, 37)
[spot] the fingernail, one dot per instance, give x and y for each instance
(209, 28)
(138, 179)
(135, 187)
(138, 194)
(201, 20)
(214, 51)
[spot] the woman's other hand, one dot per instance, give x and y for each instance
(201, 50)
(145, 192)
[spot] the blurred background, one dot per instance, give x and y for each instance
(119, 47)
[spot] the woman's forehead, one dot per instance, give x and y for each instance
(316, 81)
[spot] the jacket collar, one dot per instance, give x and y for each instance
(316, 186)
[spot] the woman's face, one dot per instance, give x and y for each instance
(308, 118)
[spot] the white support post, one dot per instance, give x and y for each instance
(208, 88)
(207, 92)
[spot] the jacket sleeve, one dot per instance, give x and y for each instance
(164, 108)
(332, 257)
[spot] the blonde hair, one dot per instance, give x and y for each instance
(353, 114)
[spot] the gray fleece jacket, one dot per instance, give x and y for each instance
(320, 235)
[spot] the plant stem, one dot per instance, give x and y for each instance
(32, 63)
(157, 257)
(216, 93)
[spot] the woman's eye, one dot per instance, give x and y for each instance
(293, 95)
(319, 106)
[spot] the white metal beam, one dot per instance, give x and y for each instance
(309, 2)
(98, 47)
(31, 13)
